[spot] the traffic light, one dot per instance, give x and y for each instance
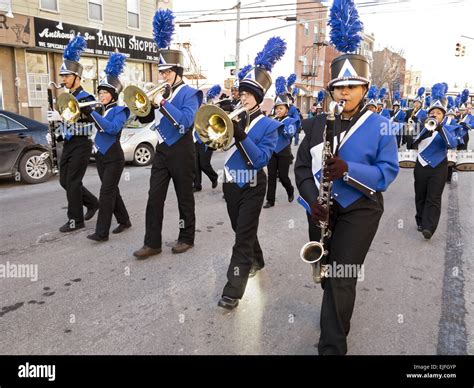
(463, 50)
(458, 49)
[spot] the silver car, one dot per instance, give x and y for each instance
(138, 142)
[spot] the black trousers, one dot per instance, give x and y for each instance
(203, 163)
(72, 168)
(353, 230)
(429, 186)
(175, 163)
(244, 206)
(279, 167)
(450, 173)
(110, 167)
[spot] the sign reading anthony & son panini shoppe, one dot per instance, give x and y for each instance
(48, 36)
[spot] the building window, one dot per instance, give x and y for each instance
(316, 35)
(95, 10)
(133, 13)
(50, 5)
(37, 79)
(306, 29)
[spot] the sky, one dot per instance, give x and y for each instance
(426, 30)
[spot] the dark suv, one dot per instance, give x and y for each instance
(22, 143)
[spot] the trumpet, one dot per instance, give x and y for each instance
(314, 251)
(139, 101)
(431, 124)
(214, 125)
(70, 109)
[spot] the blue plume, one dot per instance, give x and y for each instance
(163, 28)
(446, 87)
(457, 101)
(427, 101)
(273, 50)
(372, 93)
(382, 93)
(438, 91)
(464, 96)
(291, 80)
(396, 96)
(345, 26)
(450, 102)
(280, 86)
(243, 72)
(295, 92)
(115, 64)
(403, 103)
(420, 91)
(321, 95)
(213, 92)
(74, 48)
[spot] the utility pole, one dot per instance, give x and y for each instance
(237, 39)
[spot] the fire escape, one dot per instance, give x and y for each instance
(192, 71)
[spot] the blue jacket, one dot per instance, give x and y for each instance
(433, 147)
(385, 113)
(286, 133)
(182, 106)
(109, 127)
(399, 117)
(242, 165)
(369, 151)
(294, 113)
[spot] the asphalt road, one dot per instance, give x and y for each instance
(417, 296)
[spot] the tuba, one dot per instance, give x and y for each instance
(139, 101)
(313, 251)
(214, 125)
(70, 109)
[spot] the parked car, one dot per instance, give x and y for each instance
(22, 142)
(138, 142)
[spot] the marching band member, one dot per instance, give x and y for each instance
(364, 164)
(174, 157)
(279, 165)
(380, 104)
(371, 96)
(293, 111)
(431, 168)
(417, 116)
(77, 147)
(319, 106)
(466, 119)
(109, 159)
(398, 116)
(450, 120)
(244, 188)
(203, 152)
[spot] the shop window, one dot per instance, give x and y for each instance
(37, 79)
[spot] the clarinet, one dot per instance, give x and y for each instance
(52, 130)
(314, 251)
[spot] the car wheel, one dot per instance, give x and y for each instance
(143, 155)
(33, 169)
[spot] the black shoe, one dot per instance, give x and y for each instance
(145, 252)
(228, 303)
(214, 184)
(91, 212)
(121, 228)
(291, 197)
(253, 270)
(268, 204)
(96, 237)
(181, 247)
(426, 234)
(195, 189)
(67, 227)
(419, 228)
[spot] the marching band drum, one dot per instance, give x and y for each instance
(407, 159)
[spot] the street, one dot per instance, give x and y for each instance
(416, 296)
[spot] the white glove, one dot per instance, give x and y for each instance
(157, 100)
(48, 138)
(53, 115)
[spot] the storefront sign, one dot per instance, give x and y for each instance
(16, 31)
(48, 36)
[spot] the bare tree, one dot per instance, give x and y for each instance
(388, 70)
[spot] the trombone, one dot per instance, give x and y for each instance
(70, 109)
(214, 125)
(139, 101)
